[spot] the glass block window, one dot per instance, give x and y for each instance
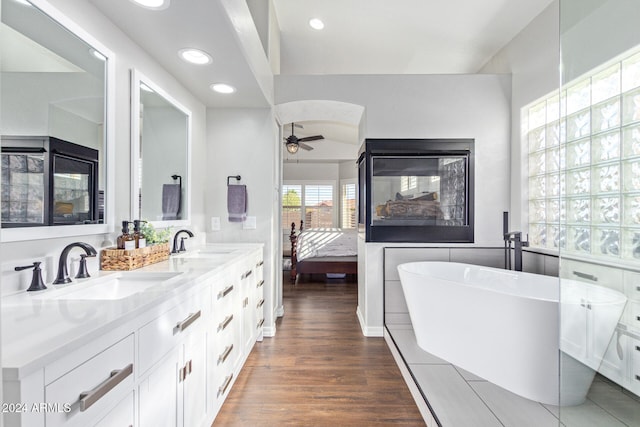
(582, 147)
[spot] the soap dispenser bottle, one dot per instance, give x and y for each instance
(126, 240)
(138, 237)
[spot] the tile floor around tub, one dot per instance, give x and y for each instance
(462, 399)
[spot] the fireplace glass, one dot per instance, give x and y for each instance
(418, 190)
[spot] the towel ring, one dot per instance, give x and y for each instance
(237, 178)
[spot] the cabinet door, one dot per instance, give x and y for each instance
(158, 394)
(194, 378)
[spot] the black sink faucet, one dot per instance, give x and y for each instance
(63, 274)
(175, 249)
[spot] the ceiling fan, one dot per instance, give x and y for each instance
(293, 142)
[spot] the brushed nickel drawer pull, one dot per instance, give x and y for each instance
(223, 325)
(189, 367)
(638, 348)
(224, 385)
(638, 318)
(260, 323)
(223, 357)
(585, 276)
(181, 326)
(260, 303)
(223, 293)
(245, 302)
(260, 283)
(88, 398)
(638, 288)
(638, 377)
(246, 274)
(260, 264)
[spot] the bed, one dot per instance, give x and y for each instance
(329, 251)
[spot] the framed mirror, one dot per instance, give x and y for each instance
(160, 158)
(56, 125)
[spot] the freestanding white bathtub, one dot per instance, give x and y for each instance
(504, 325)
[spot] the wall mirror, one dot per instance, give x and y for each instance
(161, 146)
(55, 125)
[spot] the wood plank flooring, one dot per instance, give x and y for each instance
(319, 370)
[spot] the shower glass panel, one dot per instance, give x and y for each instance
(600, 104)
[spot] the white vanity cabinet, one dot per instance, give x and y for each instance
(223, 337)
(84, 388)
(259, 295)
(166, 363)
(172, 360)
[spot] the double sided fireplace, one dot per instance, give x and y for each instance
(416, 190)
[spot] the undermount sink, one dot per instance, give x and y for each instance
(206, 253)
(116, 286)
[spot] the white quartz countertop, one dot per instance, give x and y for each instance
(39, 327)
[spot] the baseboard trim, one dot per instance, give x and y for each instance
(368, 331)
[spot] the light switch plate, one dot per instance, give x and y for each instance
(215, 223)
(249, 223)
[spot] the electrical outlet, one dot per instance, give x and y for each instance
(215, 223)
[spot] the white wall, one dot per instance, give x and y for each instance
(128, 56)
(425, 106)
(310, 172)
(245, 142)
(532, 58)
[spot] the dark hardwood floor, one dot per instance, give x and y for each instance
(319, 370)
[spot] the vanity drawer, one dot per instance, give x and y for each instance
(632, 285)
(121, 415)
(592, 273)
(86, 392)
(159, 336)
(632, 315)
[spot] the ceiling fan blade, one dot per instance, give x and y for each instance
(305, 146)
(310, 138)
(298, 126)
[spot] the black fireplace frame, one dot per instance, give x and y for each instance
(419, 148)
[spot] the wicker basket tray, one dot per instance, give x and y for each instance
(130, 259)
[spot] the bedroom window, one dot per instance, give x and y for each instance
(348, 205)
(582, 150)
(291, 205)
(313, 203)
(318, 204)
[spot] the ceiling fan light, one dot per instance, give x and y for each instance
(292, 147)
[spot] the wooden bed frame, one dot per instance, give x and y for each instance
(346, 265)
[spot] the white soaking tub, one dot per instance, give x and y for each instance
(504, 325)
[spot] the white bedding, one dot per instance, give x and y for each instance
(324, 242)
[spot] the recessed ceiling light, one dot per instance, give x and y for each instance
(152, 4)
(195, 56)
(316, 24)
(223, 88)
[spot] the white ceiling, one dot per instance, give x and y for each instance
(399, 36)
(360, 37)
